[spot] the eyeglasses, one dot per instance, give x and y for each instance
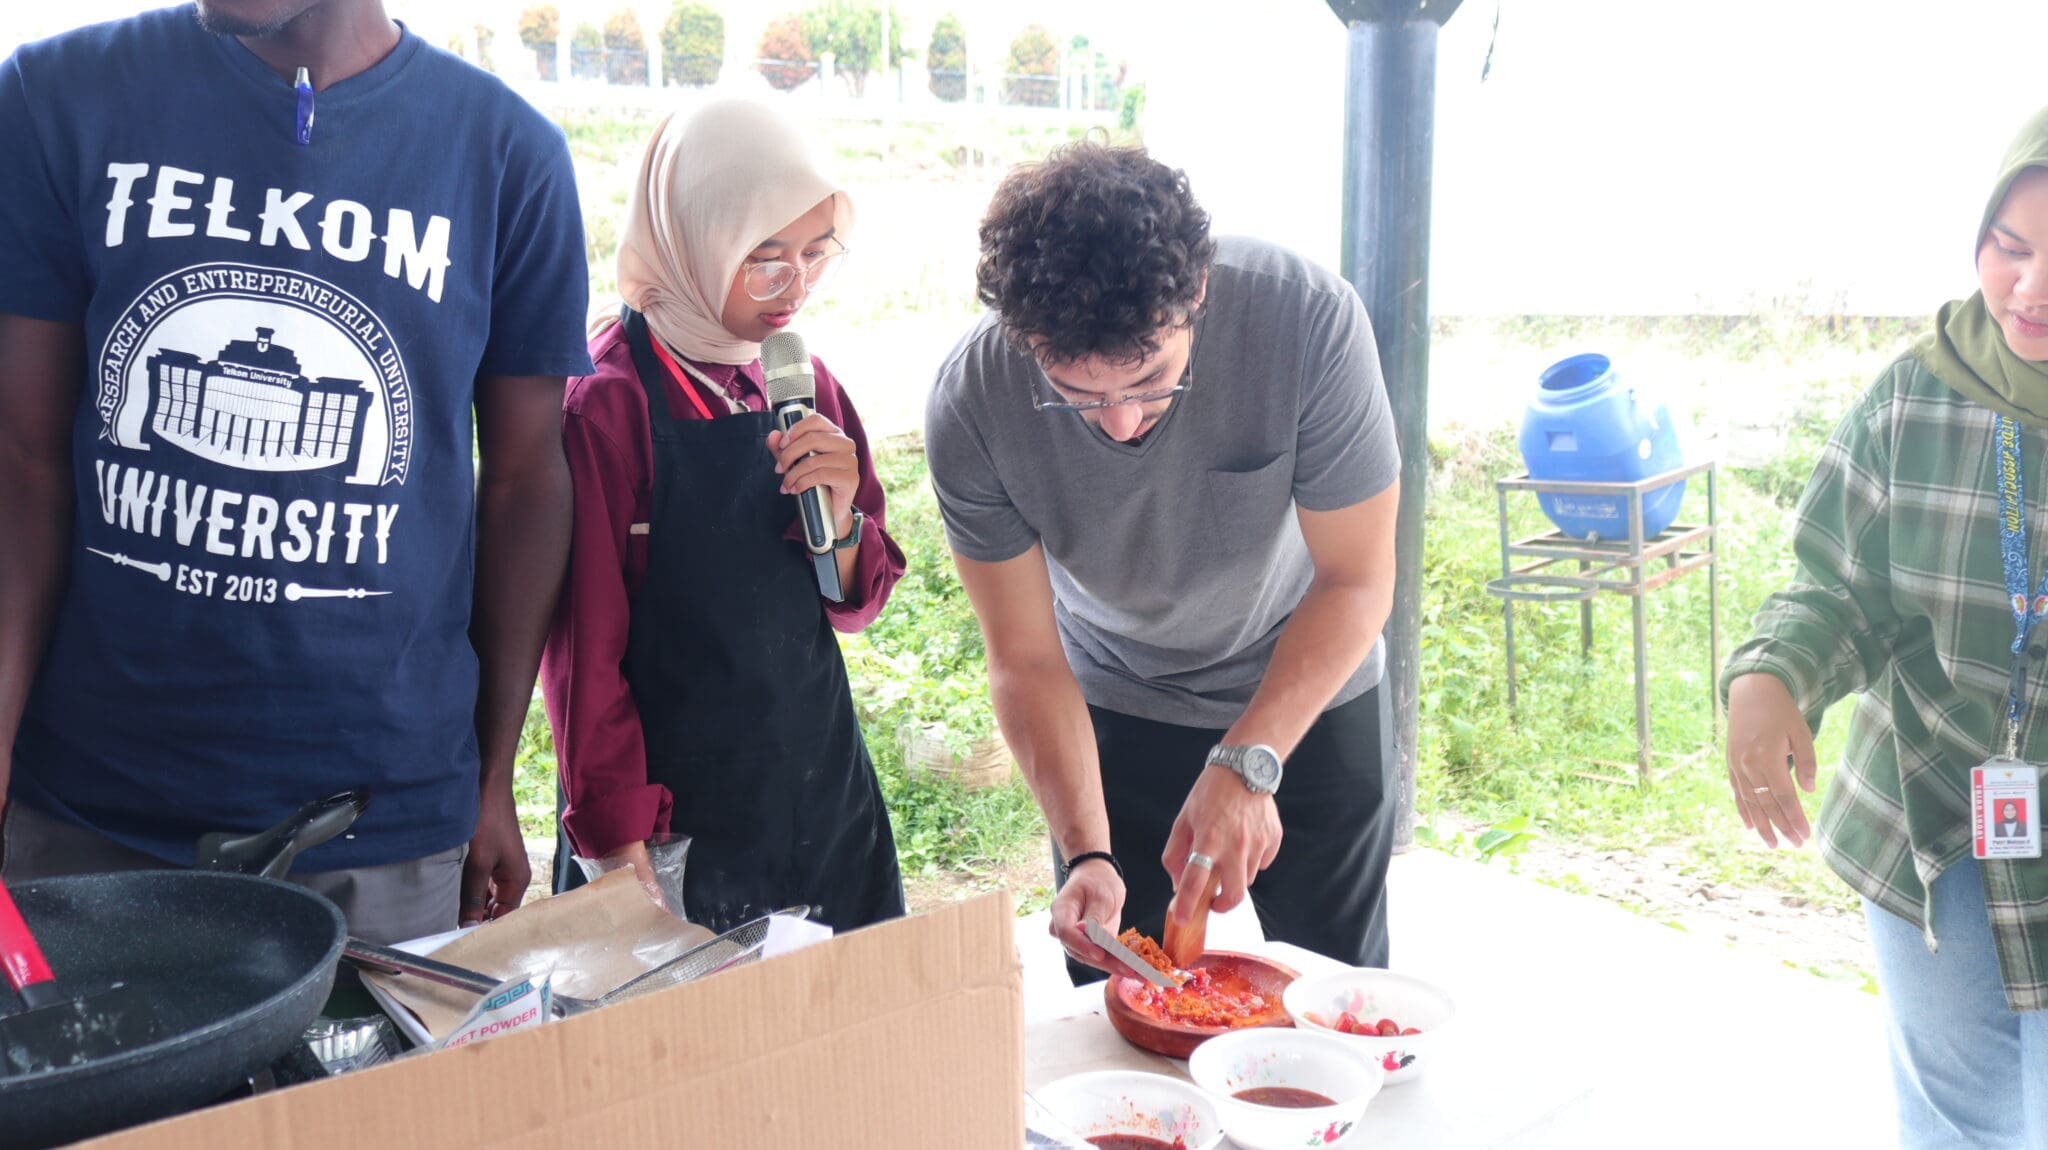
(1187, 380)
(764, 281)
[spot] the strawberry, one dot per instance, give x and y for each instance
(1388, 1028)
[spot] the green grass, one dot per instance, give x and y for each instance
(1483, 762)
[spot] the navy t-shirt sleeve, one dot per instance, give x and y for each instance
(540, 289)
(42, 269)
(1345, 448)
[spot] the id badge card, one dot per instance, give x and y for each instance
(2005, 800)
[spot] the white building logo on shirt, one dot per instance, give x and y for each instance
(258, 369)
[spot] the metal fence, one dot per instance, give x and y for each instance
(628, 67)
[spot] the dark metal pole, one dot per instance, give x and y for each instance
(1389, 140)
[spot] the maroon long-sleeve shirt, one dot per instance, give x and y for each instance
(599, 747)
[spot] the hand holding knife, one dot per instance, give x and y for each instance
(1100, 936)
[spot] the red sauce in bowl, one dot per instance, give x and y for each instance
(1283, 1097)
(1134, 1142)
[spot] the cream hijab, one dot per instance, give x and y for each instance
(712, 186)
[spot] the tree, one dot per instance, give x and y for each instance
(1131, 109)
(852, 31)
(625, 49)
(692, 45)
(586, 52)
(539, 29)
(786, 57)
(1031, 76)
(946, 59)
(483, 37)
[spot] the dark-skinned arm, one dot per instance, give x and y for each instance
(41, 373)
(524, 514)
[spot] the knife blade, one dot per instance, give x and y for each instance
(1100, 936)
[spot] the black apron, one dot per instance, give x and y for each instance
(741, 690)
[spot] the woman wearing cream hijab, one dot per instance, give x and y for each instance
(1921, 587)
(691, 676)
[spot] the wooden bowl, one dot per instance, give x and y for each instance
(1146, 1031)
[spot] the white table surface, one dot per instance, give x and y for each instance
(1579, 1025)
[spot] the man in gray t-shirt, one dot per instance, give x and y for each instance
(1168, 475)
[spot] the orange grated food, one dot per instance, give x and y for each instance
(1148, 950)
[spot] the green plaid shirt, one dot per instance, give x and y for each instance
(1901, 596)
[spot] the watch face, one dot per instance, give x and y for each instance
(1262, 767)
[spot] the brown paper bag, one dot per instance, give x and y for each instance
(594, 939)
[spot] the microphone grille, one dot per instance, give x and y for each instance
(786, 366)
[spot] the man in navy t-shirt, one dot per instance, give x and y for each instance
(249, 560)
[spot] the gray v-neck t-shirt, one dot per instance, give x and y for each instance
(1176, 561)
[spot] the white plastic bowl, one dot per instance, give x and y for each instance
(1249, 1059)
(1130, 1102)
(1317, 1002)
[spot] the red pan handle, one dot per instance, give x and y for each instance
(27, 972)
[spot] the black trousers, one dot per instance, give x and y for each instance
(1326, 890)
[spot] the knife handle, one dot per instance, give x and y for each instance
(27, 971)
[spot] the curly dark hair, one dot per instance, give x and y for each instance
(1092, 252)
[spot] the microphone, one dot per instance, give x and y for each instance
(792, 395)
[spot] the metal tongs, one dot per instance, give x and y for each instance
(739, 946)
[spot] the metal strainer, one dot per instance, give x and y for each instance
(739, 946)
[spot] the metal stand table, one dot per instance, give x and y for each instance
(1633, 567)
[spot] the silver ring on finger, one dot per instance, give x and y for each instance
(1197, 858)
(1762, 790)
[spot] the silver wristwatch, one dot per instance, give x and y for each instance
(1258, 765)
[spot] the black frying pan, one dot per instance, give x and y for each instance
(237, 964)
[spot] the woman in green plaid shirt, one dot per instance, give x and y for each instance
(1903, 597)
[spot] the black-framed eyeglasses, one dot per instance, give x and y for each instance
(1040, 402)
(770, 278)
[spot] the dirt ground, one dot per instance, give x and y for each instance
(1029, 881)
(1822, 939)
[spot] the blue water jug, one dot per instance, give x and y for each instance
(1583, 425)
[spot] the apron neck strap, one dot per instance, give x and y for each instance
(648, 365)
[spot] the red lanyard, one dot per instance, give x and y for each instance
(682, 378)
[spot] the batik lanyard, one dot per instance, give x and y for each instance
(2012, 551)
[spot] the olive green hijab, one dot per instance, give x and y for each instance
(1967, 350)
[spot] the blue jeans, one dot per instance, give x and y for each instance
(1967, 1071)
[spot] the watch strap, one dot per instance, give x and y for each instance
(852, 538)
(1234, 757)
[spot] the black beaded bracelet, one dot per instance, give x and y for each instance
(1105, 856)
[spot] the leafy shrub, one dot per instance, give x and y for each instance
(946, 59)
(586, 53)
(1032, 74)
(851, 30)
(786, 59)
(692, 45)
(540, 28)
(625, 49)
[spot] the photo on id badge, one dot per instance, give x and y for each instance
(2006, 796)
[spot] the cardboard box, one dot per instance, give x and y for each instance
(905, 1035)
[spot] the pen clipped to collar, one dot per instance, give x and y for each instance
(304, 87)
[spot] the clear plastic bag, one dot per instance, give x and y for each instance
(667, 853)
(346, 1044)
